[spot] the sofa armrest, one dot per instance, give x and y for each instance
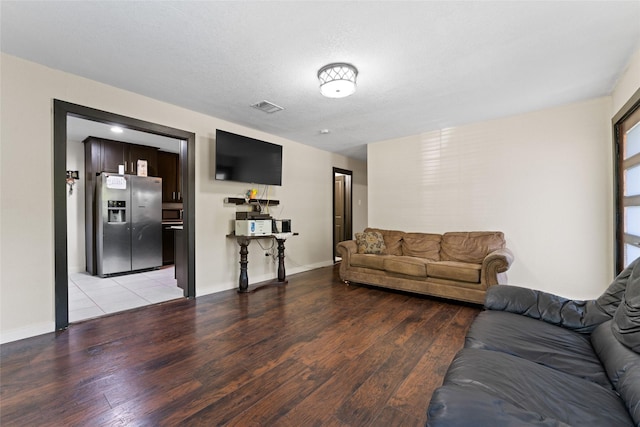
(494, 266)
(580, 316)
(346, 248)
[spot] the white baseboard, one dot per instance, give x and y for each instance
(76, 269)
(27, 332)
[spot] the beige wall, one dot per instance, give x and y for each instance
(75, 210)
(544, 178)
(26, 197)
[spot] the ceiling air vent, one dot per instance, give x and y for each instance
(267, 107)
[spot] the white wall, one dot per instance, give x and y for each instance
(543, 178)
(75, 209)
(627, 84)
(26, 197)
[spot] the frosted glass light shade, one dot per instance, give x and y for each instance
(337, 80)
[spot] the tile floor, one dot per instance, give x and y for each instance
(93, 296)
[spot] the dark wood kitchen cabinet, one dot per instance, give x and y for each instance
(141, 152)
(168, 243)
(112, 154)
(108, 154)
(169, 171)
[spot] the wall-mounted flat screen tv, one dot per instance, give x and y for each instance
(243, 159)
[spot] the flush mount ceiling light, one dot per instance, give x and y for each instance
(337, 80)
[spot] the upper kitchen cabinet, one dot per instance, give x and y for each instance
(141, 152)
(169, 171)
(112, 154)
(106, 155)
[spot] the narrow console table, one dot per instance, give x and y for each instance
(243, 241)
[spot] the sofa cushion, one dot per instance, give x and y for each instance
(392, 240)
(470, 246)
(455, 405)
(406, 265)
(626, 320)
(370, 242)
(541, 342)
(459, 271)
(610, 300)
(422, 245)
(577, 315)
(375, 262)
(622, 366)
(534, 388)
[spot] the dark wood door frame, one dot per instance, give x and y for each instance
(348, 206)
(632, 105)
(63, 109)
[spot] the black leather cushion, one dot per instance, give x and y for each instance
(540, 342)
(626, 320)
(582, 316)
(610, 300)
(622, 366)
(499, 389)
(459, 406)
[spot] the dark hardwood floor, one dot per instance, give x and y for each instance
(313, 353)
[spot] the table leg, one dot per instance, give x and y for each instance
(281, 271)
(243, 283)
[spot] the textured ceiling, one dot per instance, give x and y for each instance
(78, 129)
(422, 65)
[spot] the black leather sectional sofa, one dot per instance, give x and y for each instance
(536, 359)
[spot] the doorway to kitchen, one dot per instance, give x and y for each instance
(97, 148)
(62, 111)
(342, 208)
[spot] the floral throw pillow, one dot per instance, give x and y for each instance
(370, 242)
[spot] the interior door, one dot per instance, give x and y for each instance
(338, 211)
(342, 206)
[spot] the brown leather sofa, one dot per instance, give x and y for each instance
(455, 265)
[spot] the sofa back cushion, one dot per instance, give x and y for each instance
(626, 320)
(422, 245)
(392, 240)
(470, 246)
(610, 300)
(622, 366)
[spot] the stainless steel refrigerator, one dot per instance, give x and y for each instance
(129, 223)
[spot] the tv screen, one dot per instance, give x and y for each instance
(243, 159)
